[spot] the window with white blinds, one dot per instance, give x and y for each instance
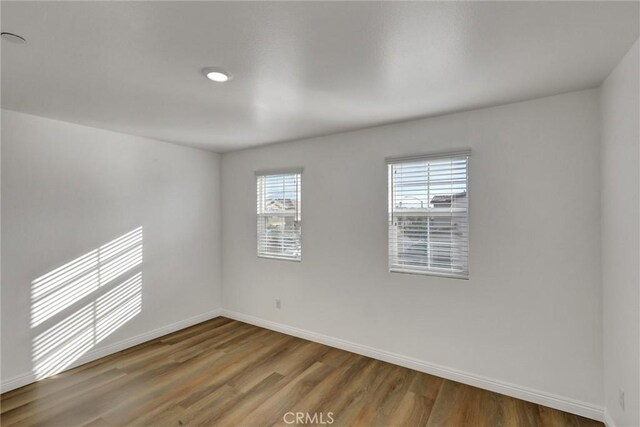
(279, 215)
(429, 215)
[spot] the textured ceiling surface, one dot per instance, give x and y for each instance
(300, 69)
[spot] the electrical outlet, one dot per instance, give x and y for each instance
(621, 398)
(278, 304)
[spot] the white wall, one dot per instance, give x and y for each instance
(530, 314)
(621, 238)
(67, 189)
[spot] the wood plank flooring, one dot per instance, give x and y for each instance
(224, 372)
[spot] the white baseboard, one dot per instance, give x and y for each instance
(608, 421)
(536, 396)
(28, 378)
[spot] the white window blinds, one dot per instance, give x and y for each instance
(279, 220)
(429, 215)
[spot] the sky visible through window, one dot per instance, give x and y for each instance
(280, 187)
(417, 185)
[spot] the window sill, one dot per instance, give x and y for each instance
(280, 258)
(429, 273)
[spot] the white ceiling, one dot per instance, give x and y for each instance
(300, 69)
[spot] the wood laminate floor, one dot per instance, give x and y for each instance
(225, 372)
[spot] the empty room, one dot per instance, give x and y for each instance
(326, 213)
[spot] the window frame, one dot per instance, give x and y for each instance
(295, 214)
(389, 162)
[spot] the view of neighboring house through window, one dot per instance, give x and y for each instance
(279, 220)
(428, 215)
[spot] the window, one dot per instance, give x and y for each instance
(279, 221)
(429, 215)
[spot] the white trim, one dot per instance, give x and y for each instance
(281, 258)
(454, 154)
(525, 393)
(28, 378)
(608, 421)
(432, 272)
(536, 396)
(285, 171)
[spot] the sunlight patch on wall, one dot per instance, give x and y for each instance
(60, 288)
(61, 344)
(117, 306)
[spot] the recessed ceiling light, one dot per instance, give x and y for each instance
(216, 75)
(13, 38)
